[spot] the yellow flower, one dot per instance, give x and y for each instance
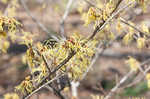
(92, 16)
(141, 42)
(133, 63)
(148, 76)
(127, 38)
(11, 96)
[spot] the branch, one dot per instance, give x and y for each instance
(63, 62)
(46, 63)
(64, 17)
(58, 93)
(6, 10)
(74, 87)
(37, 21)
(41, 85)
(93, 5)
(141, 78)
(135, 28)
(97, 55)
(102, 25)
(113, 90)
(57, 77)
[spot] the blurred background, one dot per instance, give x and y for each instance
(108, 69)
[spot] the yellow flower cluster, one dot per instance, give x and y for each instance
(148, 79)
(97, 97)
(101, 13)
(52, 53)
(133, 63)
(11, 96)
(92, 16)
(8, 28)
(139, 37)
(26, 86)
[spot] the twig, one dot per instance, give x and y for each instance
(6, 10)
(44, 59)
(57, 77)
(93, 61)
(102, 25)
(99, 53)
(62, 31)
(93, 5)
(58, 93)
(117, 5)
(141, 78)
(46, 63)
(73, 53)
(135, 28)
(113, 90)
(63, 62)
(37, 21)
(52, 72)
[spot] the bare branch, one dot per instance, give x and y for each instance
(135, 28)
(113, 90)
(37, 21)
(125, 78)
(141, 78)
(62, 31)
(93, 5)
(58, 93)
(46, 63)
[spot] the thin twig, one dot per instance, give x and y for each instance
(57, 77)
(44, 59)
(102, 25)
(135, 28)
(37, 21)
(73, 53)
(46, 63)
(63, 62)
(93, 5)
(52, 72)
(141, 78)
(113, 90)
(58, 93)
(62, 31)
(99, 53)
(6, 10)
(93, 61)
